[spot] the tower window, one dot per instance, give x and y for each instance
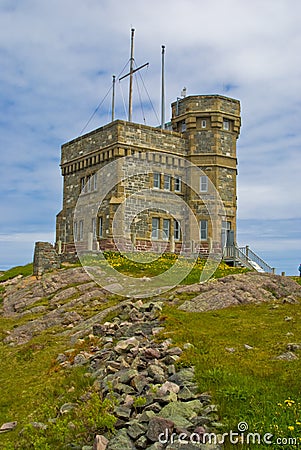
(203, 230)
(204, 123)
(203, 183)
(226, 124)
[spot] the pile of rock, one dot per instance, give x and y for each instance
(157, 407)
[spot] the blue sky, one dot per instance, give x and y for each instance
(57, 60)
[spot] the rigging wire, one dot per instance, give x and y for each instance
(149, 97)
(102, 101)
(140, 99)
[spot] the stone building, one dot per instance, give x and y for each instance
(126, 185)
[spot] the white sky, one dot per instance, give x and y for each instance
(57, 59)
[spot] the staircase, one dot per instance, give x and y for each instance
(245, 257)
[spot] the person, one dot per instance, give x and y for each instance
(299, 268)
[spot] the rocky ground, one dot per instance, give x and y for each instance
(154, 401)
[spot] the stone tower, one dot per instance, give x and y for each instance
(211, 126)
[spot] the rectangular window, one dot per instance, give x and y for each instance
(226, 124)
(203, 183)
(156, 182)
(178, 184)
(183, 126)
(89, 183)
(204, 123)
(203, 230)
(167, 182)
(155, 228)
(75, 231)
(82, 184)
(166, 229)
(176, 230)
(81, 230)
(100, 230)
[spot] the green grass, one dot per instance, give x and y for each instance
(248, 385)
(130, 265)
(15, 271)
(33, 388)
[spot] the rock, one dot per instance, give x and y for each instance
(157, 373)
(135, 430)
(38, 425)
(126, 344)
(159, 426)
(186, 394)
(181, 413)
(287, 356)
(67, 407)
(121, 441)
(123, 412)
(248, 347)
(100, 442)
(81, 359)
(8, 426)
(141, 442)
(293, 347)
(168, 386)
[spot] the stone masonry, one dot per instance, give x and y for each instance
(204, 132)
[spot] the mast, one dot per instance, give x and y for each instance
(131, 75)
(113, 99)
(163, 89)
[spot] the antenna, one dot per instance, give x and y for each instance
(130, 74)
(113, 98)
(163, 89)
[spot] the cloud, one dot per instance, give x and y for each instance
(57, 59)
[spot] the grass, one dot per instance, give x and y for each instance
(15, 271)
(129, 264)
(248, 385)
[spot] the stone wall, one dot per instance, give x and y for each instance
(45, 258)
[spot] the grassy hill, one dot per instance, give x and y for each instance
(234, 350)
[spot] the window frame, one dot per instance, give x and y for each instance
(204, 183)
(167, 177)
(203, 230)
(156, 180)
(166, 230)
(178, 183)
(155, 236)
(176, 230)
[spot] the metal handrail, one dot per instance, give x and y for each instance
(253, 257)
